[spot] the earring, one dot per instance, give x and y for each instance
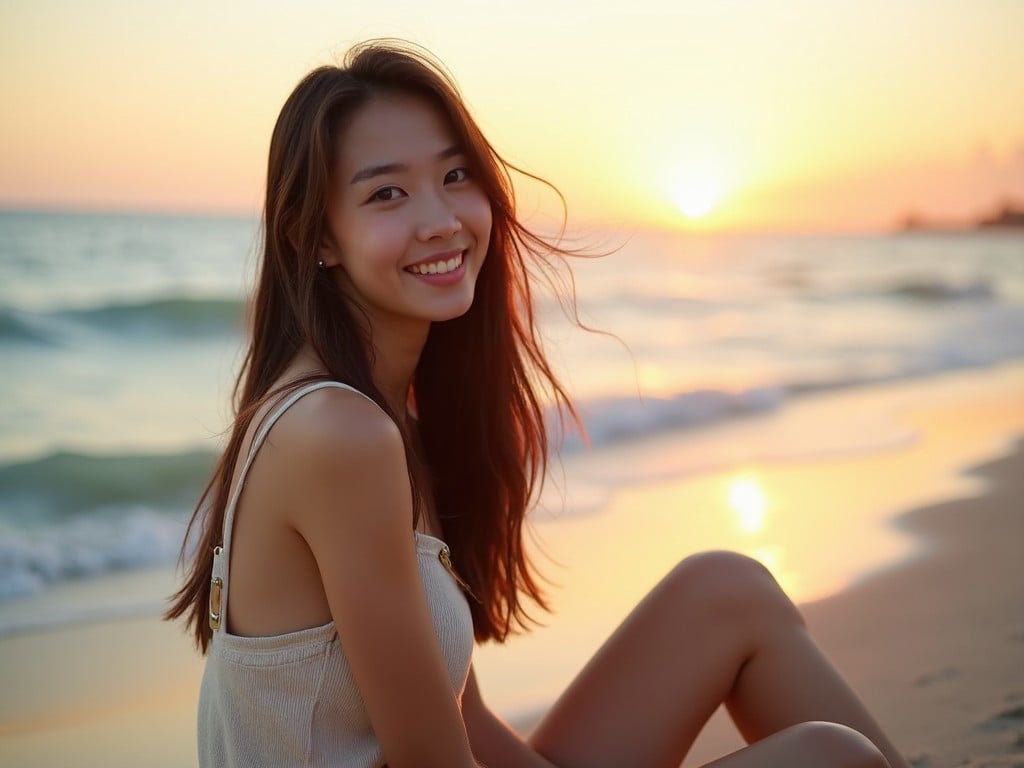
(321, 265)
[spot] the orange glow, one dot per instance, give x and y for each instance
(708, 116)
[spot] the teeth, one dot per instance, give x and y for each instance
(437, 267)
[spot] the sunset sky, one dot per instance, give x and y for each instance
(765, 115)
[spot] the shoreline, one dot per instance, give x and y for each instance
(120, 692)
(970, 583)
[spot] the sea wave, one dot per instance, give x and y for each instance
(612, 420)
(63, 484)
(923, 290)
(66, 516)
(20, 327)
(32, 560)
(931, 289)
(179, 315)
(168, 317)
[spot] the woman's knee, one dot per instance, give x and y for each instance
(728, 584)
(834, 745)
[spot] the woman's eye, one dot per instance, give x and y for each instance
(386, 194)
(456, 175)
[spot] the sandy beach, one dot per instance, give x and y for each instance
(932, 636)
(937, 647)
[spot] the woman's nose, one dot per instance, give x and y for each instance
(439, 220)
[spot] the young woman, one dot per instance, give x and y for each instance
(364, 525)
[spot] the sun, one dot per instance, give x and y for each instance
(698, 190)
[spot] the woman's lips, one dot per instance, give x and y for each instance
(441, 270)
(437, 265)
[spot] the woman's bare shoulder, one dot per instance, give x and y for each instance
(334, 449)
(338, 423)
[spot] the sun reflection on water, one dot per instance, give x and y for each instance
(747, 500)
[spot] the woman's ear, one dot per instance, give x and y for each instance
(328, 253)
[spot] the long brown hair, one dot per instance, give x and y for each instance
(482, 385)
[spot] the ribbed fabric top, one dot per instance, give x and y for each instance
(291, 700)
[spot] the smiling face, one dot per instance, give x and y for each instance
(408, 227)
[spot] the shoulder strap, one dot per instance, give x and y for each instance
(222, 554)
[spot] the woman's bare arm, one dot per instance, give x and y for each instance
(494, 743)
(354, 509)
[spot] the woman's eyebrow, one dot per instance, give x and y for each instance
(379, 170)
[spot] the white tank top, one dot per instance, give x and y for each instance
(291, 700)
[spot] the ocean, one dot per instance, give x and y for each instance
(121, 335)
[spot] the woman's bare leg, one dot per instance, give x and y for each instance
(717, 629)
(816, 744)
